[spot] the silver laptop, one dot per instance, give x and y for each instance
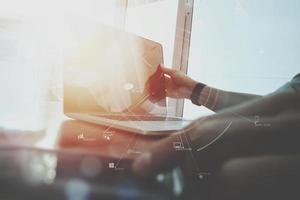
(113, 78)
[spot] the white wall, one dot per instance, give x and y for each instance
(154, 20)
(244, 45)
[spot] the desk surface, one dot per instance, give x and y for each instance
(69, 135)
(66, 133)
(75, 136)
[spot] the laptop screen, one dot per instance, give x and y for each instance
(113, 72)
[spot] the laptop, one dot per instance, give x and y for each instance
(113, 78)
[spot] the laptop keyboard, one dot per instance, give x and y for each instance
(138, 117)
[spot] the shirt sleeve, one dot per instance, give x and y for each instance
(291, 86)
(295, 83)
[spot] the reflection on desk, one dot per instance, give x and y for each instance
(87, 162)
(31, 173)
(103, 141)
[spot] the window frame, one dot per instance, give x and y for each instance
(181, 48)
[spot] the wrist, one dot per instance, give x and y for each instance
(196, 93)
(209, 97)
(189, 89)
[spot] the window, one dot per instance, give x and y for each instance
(243, 45)
(33, 35)
(156, 21)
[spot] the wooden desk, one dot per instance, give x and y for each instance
(100, 140)
(67, 134)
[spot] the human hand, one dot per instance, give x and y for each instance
(158, 158)
(178, 84)
(164, 155)
(197, 150)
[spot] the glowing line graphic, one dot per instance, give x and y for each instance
(220, 135)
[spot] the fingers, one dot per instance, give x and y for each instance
(168, 82)
(168, 71)
(160, 157)
(170, 88)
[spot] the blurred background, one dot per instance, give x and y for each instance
(244, 45)
(240, 45)
(35, 36)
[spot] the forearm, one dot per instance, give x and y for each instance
(216, 99)
(228, 99)
(269, 105)
(278, 121)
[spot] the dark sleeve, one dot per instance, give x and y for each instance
(291, 86)
(295, 83)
